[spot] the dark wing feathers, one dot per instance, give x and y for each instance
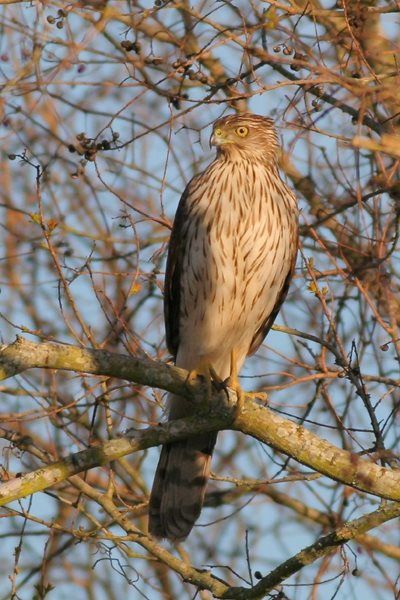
(172, 285)
(172, 282)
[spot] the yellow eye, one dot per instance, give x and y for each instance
(242, 131)
(218, 131)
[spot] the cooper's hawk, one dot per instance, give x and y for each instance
(231, 258)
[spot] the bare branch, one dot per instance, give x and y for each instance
(255, 420)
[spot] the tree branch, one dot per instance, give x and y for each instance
(102, 454)
(204, 579)
(23, 355)
(323, 546)
(254, 420)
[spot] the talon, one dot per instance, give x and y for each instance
(191, 377)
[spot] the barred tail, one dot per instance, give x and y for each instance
(179, 486)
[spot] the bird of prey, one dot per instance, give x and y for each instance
(231, 257)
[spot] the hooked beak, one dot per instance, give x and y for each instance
(219, 140)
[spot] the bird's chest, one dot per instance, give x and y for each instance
(236, 254)
(231, 235)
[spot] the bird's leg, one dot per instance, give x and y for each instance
(208, 374)
(233, 382)
(215, 378)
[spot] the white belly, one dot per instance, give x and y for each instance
(232, 274)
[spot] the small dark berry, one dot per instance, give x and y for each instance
(276, 49)
(81, 68)
(175, 102)
(50, 19)
(71, 148)
(257, 575)
(127, 45)
(12, 156)
(105, 144)
(60, 25)
(62, 13)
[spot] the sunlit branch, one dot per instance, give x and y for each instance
(256, 420)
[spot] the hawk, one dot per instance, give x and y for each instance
(231, 257)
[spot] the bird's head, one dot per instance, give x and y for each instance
(246, 136)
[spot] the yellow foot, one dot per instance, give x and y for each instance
(234, 385)
(209, 376)
(214, 380)
(192, 377)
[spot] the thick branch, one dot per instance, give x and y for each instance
(255, 420)
(204, 579)
(23, 355)
(96, 456)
